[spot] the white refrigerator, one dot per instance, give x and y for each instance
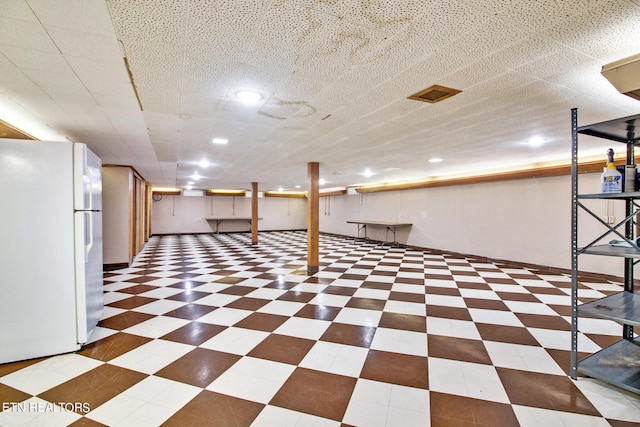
(51, 295)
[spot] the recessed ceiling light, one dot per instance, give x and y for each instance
(195, 176)
(297, 186)
(321, 181)
(367, 172)
(435, 160)
(204, 163)
(219, 141)
(188, 187)
(248, 96)
(190, 182)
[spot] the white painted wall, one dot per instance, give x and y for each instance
(116, 182)
(180, 214)
(526, 221)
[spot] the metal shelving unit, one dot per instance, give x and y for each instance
(618, 364)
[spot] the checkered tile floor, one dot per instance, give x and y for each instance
(208, 330)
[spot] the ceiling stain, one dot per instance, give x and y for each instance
(364, 32)
(355, 43)
(368, 10)
(279, 109)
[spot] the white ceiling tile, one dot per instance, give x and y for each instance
(162, 125)
(99, 75)
(17, 9)
(117, 96)
(128, 119)
(60, 88)
(86, 45)
(387, 17)
(154, 65)
(14, 80)
(195, 105)
(25, 34)
(536, 16)
(613, 31)
(284, 37)
(36, 60)
(89, 16)
(159, 100)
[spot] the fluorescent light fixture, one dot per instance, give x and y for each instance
(18, 117)
(225, 192)
(193, 193)
(248, 96)
(435, 160)
(282, 193)
(221, 141)
(333, 190)
(165, 189)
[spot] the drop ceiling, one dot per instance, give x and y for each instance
(335, 77)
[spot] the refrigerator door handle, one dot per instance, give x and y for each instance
(88, 234)
(88, 188)
(87, 182)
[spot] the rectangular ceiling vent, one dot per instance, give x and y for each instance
(435, 93)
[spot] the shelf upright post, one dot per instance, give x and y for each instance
(627, 330)
(574, 242)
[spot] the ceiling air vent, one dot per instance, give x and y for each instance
(434, 94)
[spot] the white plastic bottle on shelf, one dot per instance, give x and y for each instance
(611, 179)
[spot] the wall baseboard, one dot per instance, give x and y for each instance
(583, 274)
(115, 266)
(226, 232)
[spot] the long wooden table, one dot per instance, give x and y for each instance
(217, 221)
(389, 225)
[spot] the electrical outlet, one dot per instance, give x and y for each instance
(611, 219)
